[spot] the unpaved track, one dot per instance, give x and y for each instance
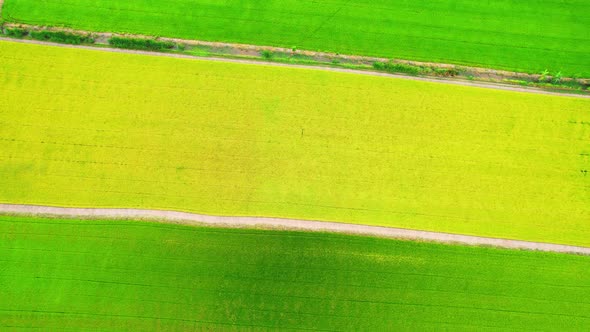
(279, 223)
(276, 64)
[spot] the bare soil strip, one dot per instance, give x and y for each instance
(497, 86)
(193, 219)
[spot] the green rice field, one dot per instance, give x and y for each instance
(97, 129)
(522, 35)
(72, 275)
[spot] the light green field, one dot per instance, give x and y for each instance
(523, 35)
(135, 276)
(97, 129)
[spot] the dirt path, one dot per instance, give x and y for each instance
(279, 223)
(332, 69)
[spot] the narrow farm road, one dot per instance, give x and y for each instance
(185, 218)
(333, 69)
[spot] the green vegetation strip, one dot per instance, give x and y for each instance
(522, 35)
(96, 129)
(50, 36)
(141, 44)
(130, 276)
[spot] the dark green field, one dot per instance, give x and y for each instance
(523, 35)
(134, 276)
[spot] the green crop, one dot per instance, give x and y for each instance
(523, 35)
(138, 276)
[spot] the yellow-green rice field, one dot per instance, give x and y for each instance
(97, 129)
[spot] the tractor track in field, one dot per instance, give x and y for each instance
(488, 85)
(195, 219)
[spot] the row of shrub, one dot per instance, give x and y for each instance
(395, 67)
(76, 39)
(141, 44)
(446, 72)
(392, 67)
(16, 32)
(52, 36)
(62, 37)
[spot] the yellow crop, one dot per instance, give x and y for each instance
(97, 129)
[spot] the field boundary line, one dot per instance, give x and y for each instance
(465, 71)
(485, 85)
(195, 219)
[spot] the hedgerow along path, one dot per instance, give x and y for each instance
(397, 153)
(133, 275)
(529, 36)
